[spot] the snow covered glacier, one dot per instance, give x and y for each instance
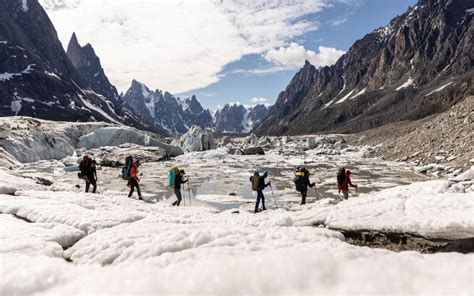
(57, 240)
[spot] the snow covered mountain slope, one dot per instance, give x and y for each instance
(168, 113)
(37, 78)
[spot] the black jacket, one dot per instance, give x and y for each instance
(178, 181)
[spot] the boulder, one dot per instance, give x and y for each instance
(5, 131)
(225, 141)
(115, 156)
(312, 143)
(254, 151)
(252, 139)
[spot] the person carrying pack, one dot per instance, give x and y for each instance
(91, 176)
(127, 168)
(302, 182)
(178, 180)
(344, 181)
(172, 176)
(83, 167)
(258, 184)
(134, 179)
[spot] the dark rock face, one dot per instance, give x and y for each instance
(254, 151)
(39, 80)
(88, 64)
(236, 118)
(419, 64)
(168, 113)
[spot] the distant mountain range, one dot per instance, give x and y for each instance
(419, 64)
(175, 115)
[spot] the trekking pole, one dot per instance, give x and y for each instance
(184, 198)
(273, 195)
(189, 193)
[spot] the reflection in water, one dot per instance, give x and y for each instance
(223, 190)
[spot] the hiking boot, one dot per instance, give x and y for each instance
(264, 209)
(140, 198)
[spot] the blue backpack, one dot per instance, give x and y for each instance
(172, 176)
(127, 167)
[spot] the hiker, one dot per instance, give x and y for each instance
(258, 184)
(302, 182)
(177, 186)
(91, 176)
(134, 179)
(344, 181)
(83, 167)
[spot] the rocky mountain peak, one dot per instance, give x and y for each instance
(391, 74)
(170, 114)
(39, 80)
(89, 66)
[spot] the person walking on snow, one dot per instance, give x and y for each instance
(177, 186)
(344, 181)
(91, 176)
(83, 166)
(134, 179)
(302, 182)
(258, 184)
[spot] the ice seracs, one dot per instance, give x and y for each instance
(196, 139)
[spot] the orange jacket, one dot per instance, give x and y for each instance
(134, 172)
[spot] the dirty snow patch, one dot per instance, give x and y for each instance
(406, 84)
(345, 97)
(439, 89)
(359, 94)
(24, 5)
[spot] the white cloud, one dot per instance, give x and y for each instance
(338, 22)
(294, 56)
(179, 45)
(256, 100)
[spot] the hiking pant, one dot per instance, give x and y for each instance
(134, 183)
(177, 192)
(303, 197)
(260, 196)
(88, 184)
(346, 194)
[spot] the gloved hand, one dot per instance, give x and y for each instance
(313, 184)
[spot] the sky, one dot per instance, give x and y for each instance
(222, 51)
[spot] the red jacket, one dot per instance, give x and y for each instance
(134, 172)
(347, 182)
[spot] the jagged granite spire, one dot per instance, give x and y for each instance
(89, 66)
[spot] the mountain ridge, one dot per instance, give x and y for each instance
(385, 76)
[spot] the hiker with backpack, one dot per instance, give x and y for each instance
(344, 181)
(302, 182)
(258, 184)
(91, 176)
(134, 179)
(83, 167)
(178, 180)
